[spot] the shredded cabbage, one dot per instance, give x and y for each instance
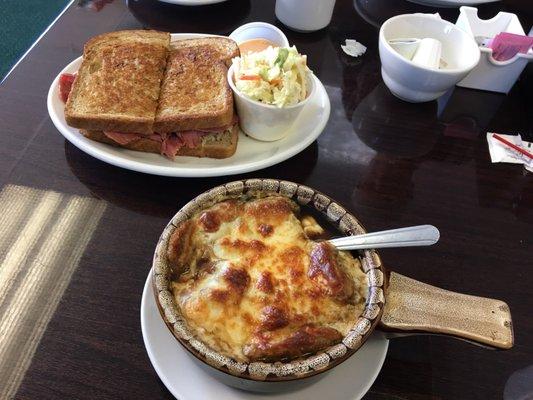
(276, 76)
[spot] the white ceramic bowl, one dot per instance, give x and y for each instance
(260, 30)
(416, 83)
(264, 121)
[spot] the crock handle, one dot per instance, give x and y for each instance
(413, 307)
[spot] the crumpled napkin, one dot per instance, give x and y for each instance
(353, 48)
(499, 152)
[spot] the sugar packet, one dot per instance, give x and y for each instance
(506, 45)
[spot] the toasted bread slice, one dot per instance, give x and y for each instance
(194, 94)
(126, 36)
(118, 84)
(215, 145)
(222, 48)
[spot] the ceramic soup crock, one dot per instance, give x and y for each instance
(395, 303)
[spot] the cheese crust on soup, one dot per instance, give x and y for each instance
(252, 284)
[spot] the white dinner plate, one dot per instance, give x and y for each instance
(187, 381)
(451, 3)
(251, 154)
(192, 2)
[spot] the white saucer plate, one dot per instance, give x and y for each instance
(192, 2)
(251, 154)
(451, 3)
(186, 380)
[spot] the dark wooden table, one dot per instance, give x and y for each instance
(77, 235)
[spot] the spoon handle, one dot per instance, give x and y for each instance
(421, 235)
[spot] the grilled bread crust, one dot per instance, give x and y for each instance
(195, 93)
(215, 149)
(118, 84)
(126, 36)
(222, 48)
(144, 144)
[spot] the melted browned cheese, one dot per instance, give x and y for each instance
(253, 286)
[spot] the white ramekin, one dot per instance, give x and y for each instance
(259, 30)
(264, 121)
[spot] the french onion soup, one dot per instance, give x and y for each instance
(254, 283)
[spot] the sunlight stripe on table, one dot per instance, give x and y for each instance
(16, 204)
(49, 266)
(45, 205)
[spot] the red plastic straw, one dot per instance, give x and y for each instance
(512, 145)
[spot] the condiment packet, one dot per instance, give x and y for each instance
(500, 152)
(425, 52)
(353, 48)
(428, 52)
(506, 45)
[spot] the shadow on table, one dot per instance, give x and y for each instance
(401, 134)
(218, 18)
(162, 196)
(519, 386)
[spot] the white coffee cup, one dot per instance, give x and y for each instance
(305, 15)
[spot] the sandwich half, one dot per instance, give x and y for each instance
(195, 115)
(117, 86)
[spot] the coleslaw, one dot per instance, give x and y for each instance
(276, 76)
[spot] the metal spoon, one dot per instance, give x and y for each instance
(421, 235)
